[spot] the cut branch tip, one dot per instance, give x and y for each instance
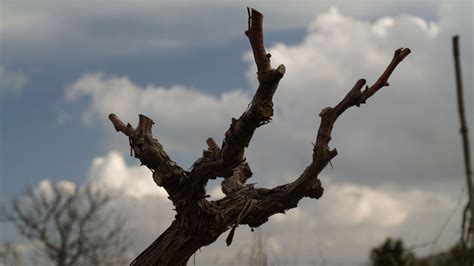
(360, 83)
(402, 52)
(281, 69)
(325, 111)
(120, 126)
(212, 144)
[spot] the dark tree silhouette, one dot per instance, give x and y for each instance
(71, 227)
(198, 221)
(391, 253)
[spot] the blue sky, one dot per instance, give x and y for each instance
(31, 127)
(65, 66)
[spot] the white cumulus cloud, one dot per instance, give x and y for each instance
(352, 204)
(184, 117)
(112, 173)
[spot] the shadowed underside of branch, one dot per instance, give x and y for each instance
(199, 222)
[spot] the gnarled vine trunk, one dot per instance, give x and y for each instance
(175, 246)
(200, 222)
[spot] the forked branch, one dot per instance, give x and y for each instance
(259, 112)
(199, 222)
(284, 197)
(150, 152)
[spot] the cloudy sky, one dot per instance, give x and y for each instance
(64, 66)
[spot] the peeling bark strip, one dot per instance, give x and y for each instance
(199, 222)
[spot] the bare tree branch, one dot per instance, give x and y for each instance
(281, 198)
(151, 153)
(200, 222)
(68, 226)
(284, 197)
(259, 112)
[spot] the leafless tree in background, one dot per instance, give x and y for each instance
(198, 221)
(70, 226)
(9, 255)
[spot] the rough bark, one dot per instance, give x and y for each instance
(199, 221)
